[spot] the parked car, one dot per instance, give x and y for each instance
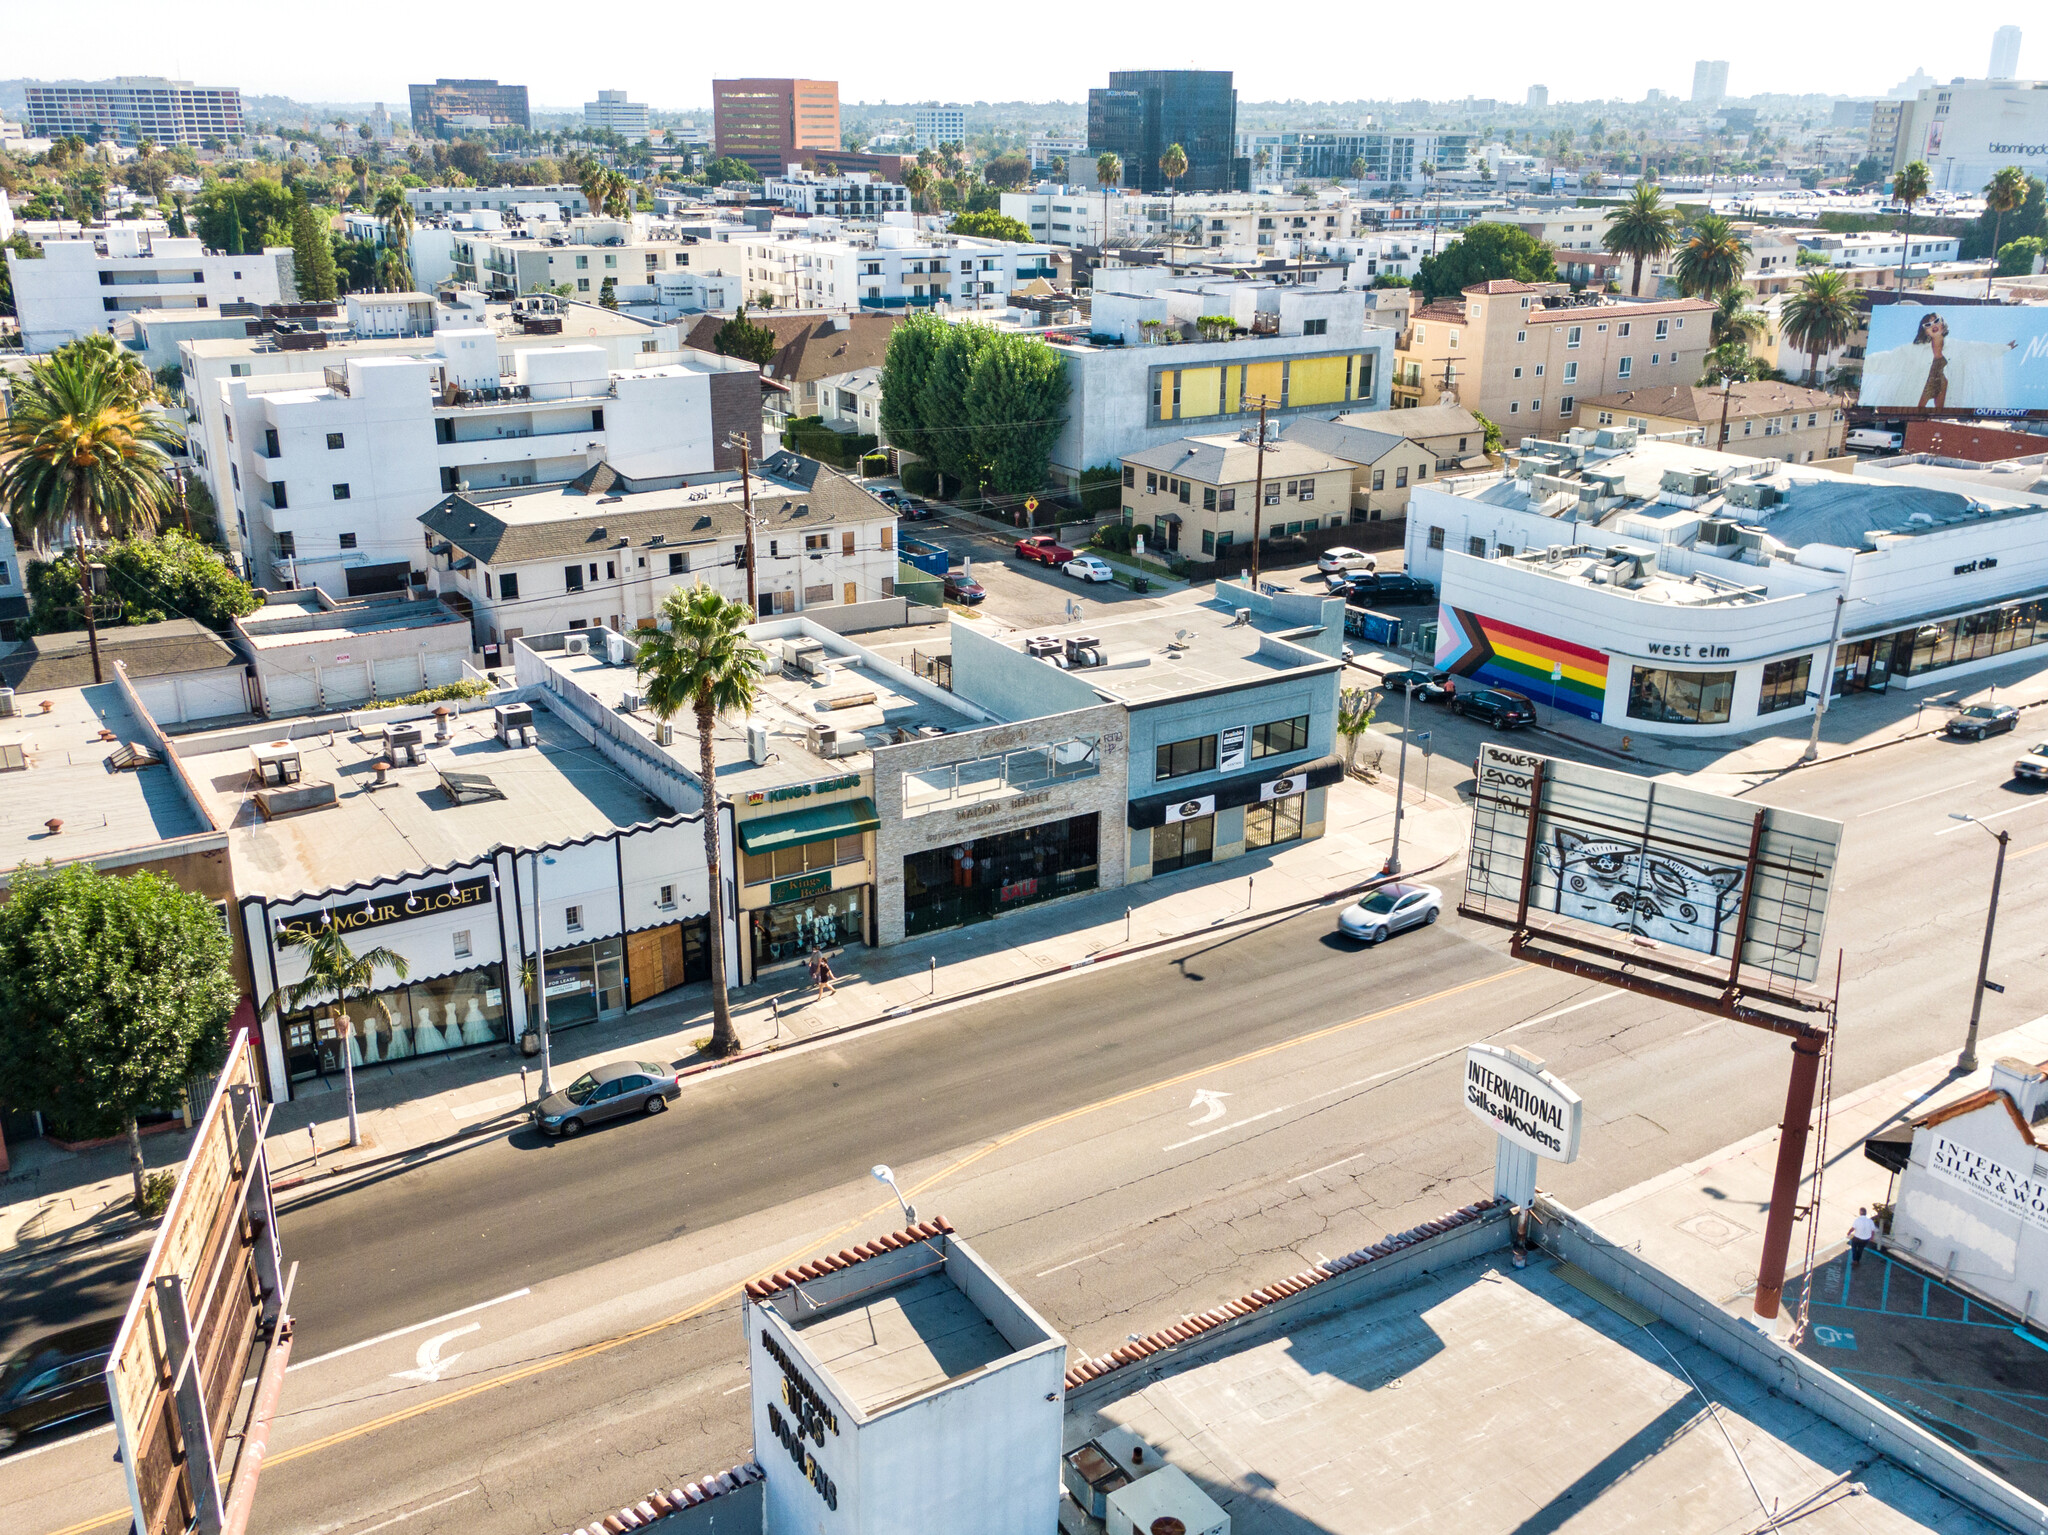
(889, 497)
(2034, 764)
(1981, 720)
(1390, 909)
(1430, 687)
(914, 509)
(1394, 589)
(56, 1379)
(1045, 549)
(610, 1091)
(1871, 439)
(1495, 706)
(1088, 567)
(964, 589)
(1346, 561)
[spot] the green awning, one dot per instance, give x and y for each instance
(813, 823)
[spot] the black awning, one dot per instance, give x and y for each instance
(1244, 789)
(1891, 1147)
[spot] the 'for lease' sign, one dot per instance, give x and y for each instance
(1520, 1101)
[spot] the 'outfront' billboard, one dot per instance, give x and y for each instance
(1967, 359)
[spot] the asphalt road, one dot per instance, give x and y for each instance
(1059, 1129)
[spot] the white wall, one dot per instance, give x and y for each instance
(1945, 1224)
(659, 423)
(60, 297)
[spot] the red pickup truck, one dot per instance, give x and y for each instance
(1045, 549)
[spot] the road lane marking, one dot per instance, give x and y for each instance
(386, 1337)
(1589, 1002)
(43, 1449)
(1072, 1261)
(1995, 815)
(423, 1508)
(2037, 847)
(1327, 1167)
(431, 1364)
(1895, 804)
(1235, 1124)
(797, 1254)
(1210, 1103)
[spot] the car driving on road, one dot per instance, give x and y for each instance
(2034, 764)
(56, 1379)
(1429, 687)
(1981, 720)
(611, 1091)
(1390, 909)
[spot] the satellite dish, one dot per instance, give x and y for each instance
(1183, 635)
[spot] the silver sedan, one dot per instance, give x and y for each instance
(1389, 909)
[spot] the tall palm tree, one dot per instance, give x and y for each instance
(1172, 165)
(337, 975)
(700, 659)
(1818, 316)
(84, 457)
(1733, 319)
(1641, 229)
(1109, 170)
(2002, 194)
(1908, 187)
(922, 182)
(1711, 258)
(395, 209)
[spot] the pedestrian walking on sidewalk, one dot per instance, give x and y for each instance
(821, 972)
(1862, 1232)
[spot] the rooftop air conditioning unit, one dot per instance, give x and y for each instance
(1685, 482)
(1752, 494)
(617, 648)
(1083, 650)
(402, 744)
(632, 703)
(757, 744)
(1039, 646)
(513, 724)
(577, 645)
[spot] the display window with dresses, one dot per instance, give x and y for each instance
(451, 1012)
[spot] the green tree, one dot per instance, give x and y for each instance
(1016, 402)
(699, 658)
(82, 460)
(2016, 257)
(1492, 439)
(1354, 718)
(741, 337)
(1641, 229)
(922, 184)
(608, 293)
(1009, 169)
(1818, 316)
(313, 255)
(725, 168)
(243, 215)
(1908, 187)
(1484, 253)
(1869, 172)
(1711, 258)
(949, 430)
(1991, 230)
(170, 576)
(114, 991)
(395, 209)
(2003, 194)
(178, 228)
(906, 368)
(1172, 165)
(1733, 319)
(337, 975)
(990, 226)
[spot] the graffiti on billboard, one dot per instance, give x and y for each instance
(1984, 359)
(1496, 653)
(1642, 890)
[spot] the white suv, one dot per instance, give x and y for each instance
(1347, 561)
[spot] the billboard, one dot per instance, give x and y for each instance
(1976, 359)
(1645, 866)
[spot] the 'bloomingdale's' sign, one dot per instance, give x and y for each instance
(1530, 1108)
(2014, 1193)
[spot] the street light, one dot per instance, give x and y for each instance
(1967, 1061)
(881, 1174)
(1401, 781)
(540, 980)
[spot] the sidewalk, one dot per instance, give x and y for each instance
(57, 1199)
(1703, 1223)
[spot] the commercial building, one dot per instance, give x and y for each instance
(1538, 97)
(1377, 155)
(1710, 82)
(615, 114)
(137, 107)
(859, 196)
(1070, 147)
(1143, 112)
(1767, 418)
(936, 125)
(1967, 130)
(774, 124)
(86, 287)
(314, 652)
(2005, 54)
(1881, 249)
(450, 107)
(1663, 587)
(605, 549)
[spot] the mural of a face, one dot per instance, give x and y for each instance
(1650, 893)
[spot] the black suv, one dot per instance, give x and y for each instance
(55, 1379)
(1394, 589)
(1495, 706)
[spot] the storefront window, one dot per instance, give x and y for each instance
(804, 858)
(969, 881)
(1680, 698)
(1272, 823)
(583, 982)
(790, 930)
(1183, 844)
(1784, 684)
(430, 1018)
(1974, 636)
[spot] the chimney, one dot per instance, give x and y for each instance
(2025, 1084)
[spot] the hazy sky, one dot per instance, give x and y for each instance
(370, 50)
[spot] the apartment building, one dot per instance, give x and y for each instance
(1384, 155)
(605, 550)
(1882, 248)
(774, 124)
(1393, 452)
(1235, 225)
(1071, 147)
(84, 287)
(779, 271)
(615, 114)
(816, 357)
(448, 107)
(1524, 355)
(1199, 496)
(1761, 419)
(579, 257)
(433, 202)
(137, 107)
(936, 125)
(858, 196)
(904, 270)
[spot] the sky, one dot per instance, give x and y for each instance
(371, 49)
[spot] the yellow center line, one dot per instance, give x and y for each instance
(797, 1255)
(2037, 847)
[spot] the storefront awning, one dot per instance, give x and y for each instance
(813, 823)
(1891, 1147)
(1244, 789)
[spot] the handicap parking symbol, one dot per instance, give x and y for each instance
(1834, 1337)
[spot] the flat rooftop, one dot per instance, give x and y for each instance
(1593, 568)
(555, 791)
(1486, 1399)
(299, 618)
(902, 1343)
(1158, 654)
(69, 777)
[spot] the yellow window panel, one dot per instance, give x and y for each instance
(1166, 388)
(1262, 378)
(1316, 381)
(1200, 390)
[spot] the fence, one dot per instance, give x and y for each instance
(1293, 548)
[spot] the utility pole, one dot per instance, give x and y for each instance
(1827, 684)
(1401, 782)
(1727, 387)
(745, 444)
(1258, 492)
(86, 599)
(1967, 1061)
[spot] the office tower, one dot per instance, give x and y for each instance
(2005, 53)
(1142, 112)
(774, 124)
(628, 119)
(939, 125)
(1710, 81)
(136, 107)
(1539, 96)
(448, 107)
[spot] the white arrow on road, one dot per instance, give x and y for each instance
(1210, 1103)
(431, 1364)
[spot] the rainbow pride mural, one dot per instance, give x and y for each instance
(1505, 655)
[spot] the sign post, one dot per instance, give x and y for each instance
(1531, 1113)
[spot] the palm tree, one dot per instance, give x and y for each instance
(919, 181)
(1734, 321)
(336, 975)
(1818, 316)
(1262, 159)
(395, 209)
(1172, 165)
(1109, 170)
(700, 659)
(1711, 259)
(1641, 229)
(1908, 187)
(2003, 193)
(84, 456)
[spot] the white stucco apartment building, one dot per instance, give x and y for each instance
(84, 287)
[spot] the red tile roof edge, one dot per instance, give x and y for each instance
(761, 1288)
(658, 1505)
(1192, 1327)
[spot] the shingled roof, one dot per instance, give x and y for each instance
(147, 650)
(811, 346)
